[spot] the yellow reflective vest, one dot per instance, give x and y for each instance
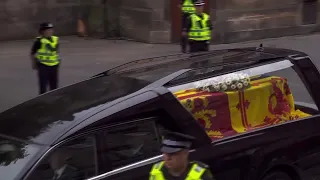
(188, 7)
(47, 54)
(195, 172)
(199, 31)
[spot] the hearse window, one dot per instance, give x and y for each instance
(72, 161)
(247, 99)
(128, 143)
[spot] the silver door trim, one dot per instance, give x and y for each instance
(128, 167)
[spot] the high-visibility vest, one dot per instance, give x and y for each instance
(195, 172)
(188, 7)
(47, 54)
(198, 33)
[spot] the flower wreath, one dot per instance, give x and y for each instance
(234, 81)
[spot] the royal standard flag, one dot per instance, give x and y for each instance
(210, 109)
(266, 102)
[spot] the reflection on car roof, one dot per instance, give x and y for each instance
(49, 114)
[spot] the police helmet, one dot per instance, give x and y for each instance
(199, 3)
(45, 25)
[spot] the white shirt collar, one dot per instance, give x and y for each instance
(60, 171)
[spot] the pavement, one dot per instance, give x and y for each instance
(83, 58)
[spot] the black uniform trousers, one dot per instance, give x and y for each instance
(198, 46)
(184, 39)
(47, 75)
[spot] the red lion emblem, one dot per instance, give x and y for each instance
(282, 105)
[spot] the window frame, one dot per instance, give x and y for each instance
(285, 64)
(253, 70)
(58, 145)
(128, 167)
(91, 132)
(151, 119)
(199, 77)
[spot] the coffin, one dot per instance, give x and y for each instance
(268, 101)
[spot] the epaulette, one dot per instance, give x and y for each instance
(201, 164)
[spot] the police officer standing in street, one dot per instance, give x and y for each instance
(45, 58)
(176, 165)
(187, 8)
(198, 29)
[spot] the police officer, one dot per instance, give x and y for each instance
(198, 29)
(187, 8)
(175, 165)
(44, 57)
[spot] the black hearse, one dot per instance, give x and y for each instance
(109, 126)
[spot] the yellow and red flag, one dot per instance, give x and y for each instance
(268, 101)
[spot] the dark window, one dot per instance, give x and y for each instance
(75, 160)
(104, 150)
(128, 143)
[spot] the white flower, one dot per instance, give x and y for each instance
(228, 82)
(239, 85)
(216, 87)
(206, 88)
(212, 82)
(233, 75)
(246, 75)
(224, 87)
(206, 84)
(233, 86)
(198, 85)
(211, 89)
(245, 83)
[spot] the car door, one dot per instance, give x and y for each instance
(101, 150)
(127, 143)
(73, 159)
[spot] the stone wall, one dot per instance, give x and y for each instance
(150, 20)
(141, 20)
(19, 19)
(240, 20)
(145, 20)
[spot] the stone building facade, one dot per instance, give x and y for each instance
(159, 21)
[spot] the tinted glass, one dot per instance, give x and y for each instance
(248, 99)
(15, 156)
(128, 143)
(153, 71)
(75, 160)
